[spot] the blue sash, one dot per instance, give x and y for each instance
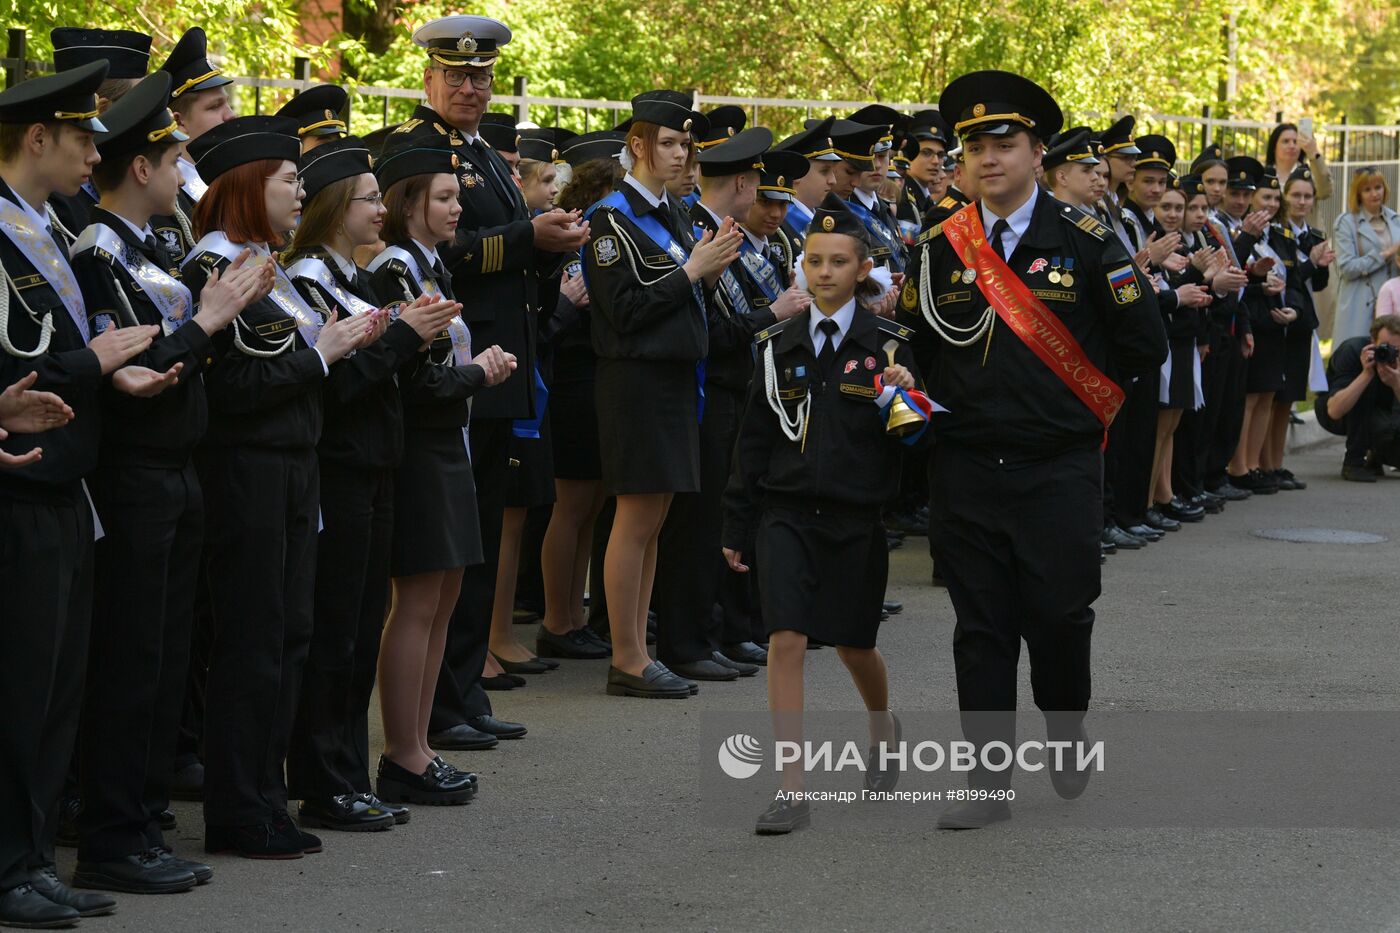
(799, 217)
(659, 235)
(530, 427)
(760, 270)
(881, 233)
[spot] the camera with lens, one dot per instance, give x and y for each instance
(1386, 354)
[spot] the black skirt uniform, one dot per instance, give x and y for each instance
(259, 473)
(814, 503)
(1185, 332)
(360, 449)
(1266, 366)
(573, 422)
(1304, 280)
(435, 517)
(649, 331)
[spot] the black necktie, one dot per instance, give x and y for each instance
(998, 228)
(152, 247)
(826, 356)
(503, 186)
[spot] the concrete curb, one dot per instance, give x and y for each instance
(1308, 434)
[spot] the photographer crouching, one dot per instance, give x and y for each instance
(1363, 381)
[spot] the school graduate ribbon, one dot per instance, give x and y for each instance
(918, 402)
(43, 254)
(168, 294)
(530, 427)
(882, 234)
(1036, 325)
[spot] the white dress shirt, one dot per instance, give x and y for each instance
(843, 317)
(1019, 221)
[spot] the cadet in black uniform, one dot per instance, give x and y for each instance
(318, 113)
(361, 446)
(148, 498)
(495, 263)
(128, 56)
(818, 456)
(651, 284)
(1018, 463)
(46, 530)
(258, 468)
(925, 148)
(815, 145)
(435, 506)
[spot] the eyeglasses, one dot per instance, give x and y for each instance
(296, 183)
(481, 80)
(372, 199)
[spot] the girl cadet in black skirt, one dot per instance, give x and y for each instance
(258, 469)
(361, 445)
(578, 490)
(1269, 318)
(813, 467)
(1306, 258)
(436, 533)
(650, 281)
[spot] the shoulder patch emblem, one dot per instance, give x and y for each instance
(605, 250)
(101, 323)
(1124, 285)
(909, 295)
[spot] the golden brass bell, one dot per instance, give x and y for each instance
(903, 419)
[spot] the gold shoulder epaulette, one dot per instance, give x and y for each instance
(1086, 222)
(409, 126)
(930, 233)
(949, 202)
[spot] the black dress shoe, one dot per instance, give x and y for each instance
(203, 874)
(745, 652)
(502, 682)
(1257, 482)
(893, 606)
(745, 670)
(654, 683)
(877, 776)
(447, 769)
(462, 738)
(435, 787)
(1181, 510)
(501, 729)
(782, 817)
(521, 667)
(704, 669)
(68, 810)
(401, 815)
(1146, 533)
(1230, 492)
(574, 644)
(1213, 505)
(143, 873)
(257, 841)
(1156, 519)
(1107, 547)
(167, 821)
(45, 881)
(188, 782)
(1121, 539)
(345, 813)
(1355, 472)
(974, 814)
(1293, 482)
(27, 909)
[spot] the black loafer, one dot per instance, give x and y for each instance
(745, 652)
(782, 817)
(704, 669)
(877, 776)
(893, 606)
(257, 841)
(1155, 519)
(974, 814)
(435, 787)
(1181, 510)
(521, 667)
(45, 881)
(1146, 533)
(344, 813)
(745, 670)
(462, 738)
(573, 644)
(188, 783)
(203, 874)
(1121, 539)
(143, 873)
(1230, 492)
(502, 682)
(501, 729)
(26, 908)
(401, 815)
(654, 683)
(449, 770)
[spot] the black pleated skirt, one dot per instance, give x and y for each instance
(436, 526)
(1265, 373)
(1181, 388)
(1297, 362)
(530, 471)
(822, 573)
(648, 435)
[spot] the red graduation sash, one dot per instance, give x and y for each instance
(1037, 326)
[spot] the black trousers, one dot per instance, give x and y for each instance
(1137, 438)
(46, 585)
(1224, 435)
(1372, 430)
(262, 516)
(1019, 548)
(147, 566)
(688, 557)
(459, 695)
(329, 753)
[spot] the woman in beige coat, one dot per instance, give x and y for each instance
(1366, 239)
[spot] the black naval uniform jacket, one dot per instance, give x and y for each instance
(913, 203)
(847, 458)
(1012, 406)
(493, 262)
(148, 432)
(1303, 278)
(69, 369)
(267, 392)
(732, 329)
